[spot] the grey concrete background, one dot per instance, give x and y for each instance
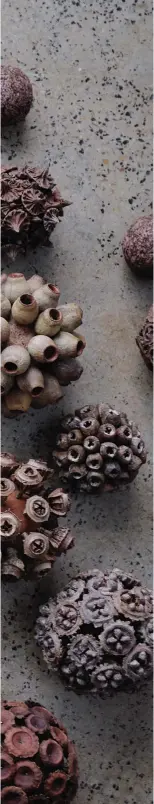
(91, 68)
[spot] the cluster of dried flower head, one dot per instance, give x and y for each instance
(39, 762)
(98, 632)
(40, 343)
(98, 449)
(144, 339)
(31, 205)
(30, 537)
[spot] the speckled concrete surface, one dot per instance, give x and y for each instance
(91, 68)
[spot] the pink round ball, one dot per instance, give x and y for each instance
(16, 95)
(138, 246)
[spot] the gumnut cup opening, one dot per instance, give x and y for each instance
(34, 764)
(98, 632)
(31, 538)
(98, 449)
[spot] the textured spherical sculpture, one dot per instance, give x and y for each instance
(31, 205)
(30, 536)
(39, 341)
(98, 449)
(138, 246)
(39, 762)
(144, 339)
(98, 632)
(16, 95)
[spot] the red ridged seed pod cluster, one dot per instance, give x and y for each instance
(38, 761)
(98, 449)
(30, 536)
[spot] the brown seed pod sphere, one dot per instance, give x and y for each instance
(98, 632)
(16, 95)
(39, 762)
(138, 246)
(38, 357)
(98, 449)
(144, 339)
(31, 205)
(30, 536)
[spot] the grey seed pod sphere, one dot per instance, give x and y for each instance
(98, 632)
(138, 246)
(16, 95)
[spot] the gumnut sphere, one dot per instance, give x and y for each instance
(144, 339)
(99, 632)
(138, 246)
(98, 449)
(31, 538)
(39, 762)
(16, 95)
(40, 343)
(31, 205)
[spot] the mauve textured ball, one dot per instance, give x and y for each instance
(16, 95)
(138, 246)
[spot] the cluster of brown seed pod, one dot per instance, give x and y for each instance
(99, 632)
(144, 339)
(39, 762)
(98, 449)
(31, 206)
(30, 537)
(40, 343)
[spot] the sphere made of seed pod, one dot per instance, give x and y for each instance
(99, 451)
(138, 246)
(30, 536)
(144, 339)
(39, 354)
(98, 632)
(16, 95)
(39, 761)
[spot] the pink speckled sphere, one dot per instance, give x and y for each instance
(138, 246)
(16, 95)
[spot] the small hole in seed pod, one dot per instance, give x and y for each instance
(36, 391)
(54, 314)
(10, 367)
(126, 431)
(26, 298)
(53, 288)
(50, 353)
(79, 347)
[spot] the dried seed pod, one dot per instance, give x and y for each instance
(88, 411)
(31, 206)
(118, 638)
(5, 306)
(113, 449)
(27, 549)
(67, 371)
(25, 309)
(144, 339)
(16, 95)
(42, 349)
(59, 502)
(47, 296)
(17, 400)
(50, 395)
(4, 330)
(71, 317)
(69, 345)
(7, 383)
(34, 283)
(32, 381)
(7, 487)
(15, 360)
(138, 246)
(14, 286)
(36, 768)
(48, 322)
(99, 645)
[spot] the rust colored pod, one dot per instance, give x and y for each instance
(30, 536)
(39, 762)
(138, 246)
(16, 95)
(100, 452)
(144, 339)
(103, 623)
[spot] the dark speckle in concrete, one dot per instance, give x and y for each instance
(90, 63)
